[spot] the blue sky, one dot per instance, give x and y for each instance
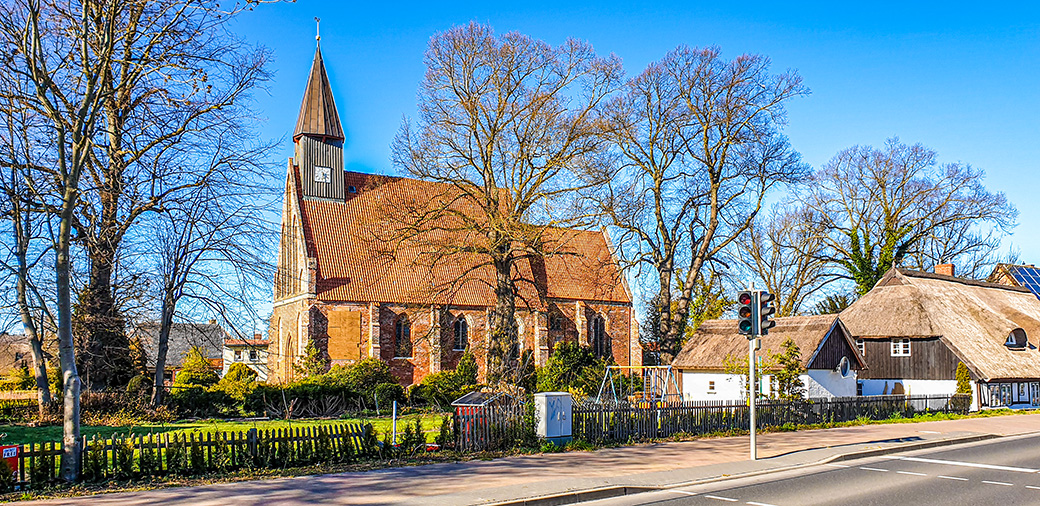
(959, 78)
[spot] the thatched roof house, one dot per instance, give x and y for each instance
(918, 325)
(822, 340)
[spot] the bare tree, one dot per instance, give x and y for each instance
(877, 208)
(508, 124)
(178, 79)
(64, 50)
(699, 146)
(212, 251)
(784, 253)
(29, 227)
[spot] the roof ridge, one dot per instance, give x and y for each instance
(971, 282)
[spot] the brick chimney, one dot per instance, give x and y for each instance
(944, 269)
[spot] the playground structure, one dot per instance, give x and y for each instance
(652, 385)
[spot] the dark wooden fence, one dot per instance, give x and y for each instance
(496, 427)
(624, 421)
(196, 453)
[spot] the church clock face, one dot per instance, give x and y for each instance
(322, 174)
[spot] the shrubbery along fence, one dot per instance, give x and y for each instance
(624, 421)
(197, 453)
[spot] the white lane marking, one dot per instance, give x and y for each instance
(953, 478)
(720, 498)
(837, 465)
(970, 464)
(1032, 487)
(874, 469)
(681, 492)
(998, 483)
(911, 473)
(753, 503)
(929, 432)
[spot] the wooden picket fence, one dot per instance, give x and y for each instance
(196, 453)
(498, 427)
(624, 421)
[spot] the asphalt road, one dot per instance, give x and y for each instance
(1002, 472)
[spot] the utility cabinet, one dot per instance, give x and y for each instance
(552, 410)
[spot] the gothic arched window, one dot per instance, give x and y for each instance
(402, 337)
(461, 333)
(598, 336)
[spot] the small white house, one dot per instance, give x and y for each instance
(828, 355)
(251, 352)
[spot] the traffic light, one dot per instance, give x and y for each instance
(746, 313)
(765, 311)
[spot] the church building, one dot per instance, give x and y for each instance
(337, 286)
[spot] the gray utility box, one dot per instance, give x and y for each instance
(552, 410)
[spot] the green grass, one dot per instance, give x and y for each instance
(23, 434)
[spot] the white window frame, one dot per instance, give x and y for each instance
(711, 386)
(861, 347)
(900, 347)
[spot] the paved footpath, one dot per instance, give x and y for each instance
(508, 479)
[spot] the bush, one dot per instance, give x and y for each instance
(571, 368)
(387, 393)
(139, 385)
(195, 401)
(195, 370)
(238, 383)
(440, 388)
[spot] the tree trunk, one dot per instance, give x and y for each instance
(43, 390)
(104, 349)
(72, 449)
(165, 322)
(503, 349)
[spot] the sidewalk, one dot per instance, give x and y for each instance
(512, 478)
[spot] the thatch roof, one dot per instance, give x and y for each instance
(714, 340)
(973, 318)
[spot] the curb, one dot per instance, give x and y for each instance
(579, 496)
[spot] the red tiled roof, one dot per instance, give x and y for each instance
(357, 264)
(255, 343)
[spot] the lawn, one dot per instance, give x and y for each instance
(22, 434)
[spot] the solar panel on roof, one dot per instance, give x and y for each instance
(1028, 277)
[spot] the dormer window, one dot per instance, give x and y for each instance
(352, 189)
(1017, 339)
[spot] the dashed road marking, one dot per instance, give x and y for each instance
(874, 469)
(753, 503)
(680, 491)
(1032, 487)
(911, 473)
(953, 478)
(717, 498)
(998, 483)
(929, 432)
(969, 464)
(837, 465)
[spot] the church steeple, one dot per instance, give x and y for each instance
(318, 116)
(319, 138)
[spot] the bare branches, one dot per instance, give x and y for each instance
(879, 208)
(508, 125)
(698, 146)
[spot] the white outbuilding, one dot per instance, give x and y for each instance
(828, 355)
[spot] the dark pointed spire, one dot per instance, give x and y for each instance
(318, 116)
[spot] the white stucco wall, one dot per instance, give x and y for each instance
(259, 365)
(910, 387)
(829, 383)
(695, 386)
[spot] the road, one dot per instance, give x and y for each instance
(1001, 472)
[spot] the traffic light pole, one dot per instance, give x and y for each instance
(752, 393)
